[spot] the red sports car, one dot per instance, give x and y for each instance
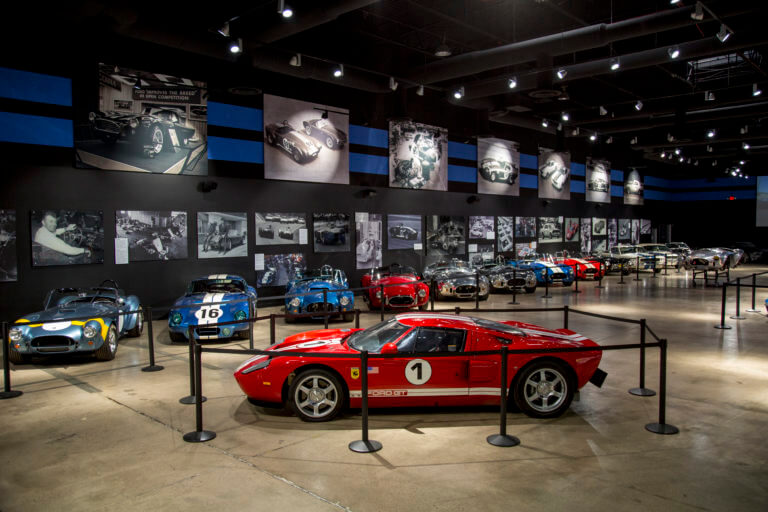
(318, 388)
(585, 268)
(406, 294)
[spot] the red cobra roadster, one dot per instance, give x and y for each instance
(318, 388)
(585, 268)
(400, 290)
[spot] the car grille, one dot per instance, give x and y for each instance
(558, 276)
(207, 331)
(53, 343)
(400, 300)
(464, 289)
(316, 307)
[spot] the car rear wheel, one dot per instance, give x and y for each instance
(296, 156)
(108, 349)
(329, 142)
(139, 327)
(316, 395)
(543, 389)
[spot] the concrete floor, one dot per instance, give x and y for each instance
(95, 436)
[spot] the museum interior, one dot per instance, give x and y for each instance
(495, 254)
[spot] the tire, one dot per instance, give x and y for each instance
(656, 270)
(15, 357)
(530, 289)
(290, 319)
(108, 349)
(329, 142)
(485, 297)
(541, 405)
(242, 335)
(229, 245)
(328, 401)
(109, 139)
(424, 306)
(156, 140)
(347, 317)
(177, 337)
(493, 176)
(570, 283)
(296, 157)
(626, 271)
(139, 327)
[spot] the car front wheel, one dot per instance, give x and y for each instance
(543, 390)
(108, 349)
(316, 395)
(329, 142)
(157, 140)
(139, 327)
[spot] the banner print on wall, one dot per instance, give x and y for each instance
(151, 235)
(635, 231)
(598, 181)
(146, 122)
(8, 262)
(331, 232)
(554, 174)
(586, 235)
(368, 229)
(280, 228)
(525, 227)
(222, 234)
(418, 156)
(305, 141)
(67, 237)
(445, 235)
(633, 188)
(498, 167)
(645, 227)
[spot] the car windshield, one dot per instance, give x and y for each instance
(216, 286)
(373, 338)
(316, 274)
(654, 248)
(626, 250)
(64, 296)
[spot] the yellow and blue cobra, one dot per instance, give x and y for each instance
(90, 320)
(212, 300)
(313, 283)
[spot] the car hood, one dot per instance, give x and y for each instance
(315, 285)
(70, 311)
(400, 279)
(200, 298)
(540, 337)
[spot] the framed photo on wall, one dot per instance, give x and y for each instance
(331, 232)
(505, 234)
(222, 234)
(368, 230)
(598, 178)
(403, 231)
(67, 237)
(151, 235)
(498, 167)
(418, 156)
(280, 268)
(8, 259)
(554, 174)
(280, 228)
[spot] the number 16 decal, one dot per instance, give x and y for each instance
(418, 371)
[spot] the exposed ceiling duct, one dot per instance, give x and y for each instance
(320, 15)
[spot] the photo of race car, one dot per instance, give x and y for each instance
(324, 131)
(501, 171)
(298, 146)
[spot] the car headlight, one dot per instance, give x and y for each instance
(241, 315)
(716, 258)
(344, 301)
(176, 318)
(295, 302)
(422, 292)
(90, 330)
(258, 366)
(15, 334)
(134, 123)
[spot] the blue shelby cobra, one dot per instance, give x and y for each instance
(77, 320)
(545, 269)
(201, 306)
(326, 278)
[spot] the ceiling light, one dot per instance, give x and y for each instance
(561, 73)
(544, 123)
(603, 111)
(512, 82)
(459, 93)
(236, 45)
(745, 146)
(442, 50)
(756, 91)
(744, 129)
(681, 159)
(673, 52)
(670, 137)
(723, 34)
(633, 140)
(593, 137)
(695, 163)
(741, 162)
(559, 127)
(709, 148)
(338, 72)
(615, 64)
(709, 96)
(224, 29)
(673, 2)
(575, 131)
(711, 133)
(393, 83)
(733, 173)
(639, 105)
(689, 160)
(564, 116)
(663, 154)
(746, 176)
(420, 90)
(677, 151)
(609, 140)
(714, 163)
(698, 14)
(295, 61)
(283, 9)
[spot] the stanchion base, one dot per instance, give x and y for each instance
(199, 437)
(642, 392)
(514, 303)
(546, 296)
(189, 400)
(502, 440)
(10, 394)
(753, 310)
(662, 428)
(153, 368)
(637, 280)
(369, 446)
(576, 291)
(735, 317)
(723, 326)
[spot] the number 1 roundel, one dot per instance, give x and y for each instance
(418, 371)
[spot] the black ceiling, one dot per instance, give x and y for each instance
(492, 41)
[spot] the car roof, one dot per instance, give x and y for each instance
(220, 276)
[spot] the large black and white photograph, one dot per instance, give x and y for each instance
(418, 156)
(554, 174)
(368, 231)
(525, 227)
(599, 246)
(571, 230)
(8, 260)
(279, 269)
(222, 234)
(635, 231)
(331, 232)
(498, 167)
(152, 235)
(273, 228)
(305, 141)
(505, 234)
(525, 250)
(612, 233)
(624, 229)
(67, 237)
(145, 122)
(480, 254)
(586, 235)
(633, 188)
(645, 226)
(550, 230)
(403, 231)
(599, 226)
(598, 178)
(446, 235)
(481, 228)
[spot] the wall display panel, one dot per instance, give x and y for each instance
(598, 177)
(645, 227)
(635, 231)
(599, 226)
(761, 207)
(550, 230)
(305, 141)
(633, 188)
(586, 235)
(554, 174)
(403, 231)
(418, 156)
(280, 228)
(67, 237)
(368, 228)
(525, 249)
(625, 229)
(145, 122)
(150, 235)
(599, 246)
(525, 227)
(331, 232)
(481, 228)
(505, 231)
(222, 234)
(571, 229)
(482, 254)
(498, 167)
(8, 259)
(280, 268)
(613, 228)
(446, 235)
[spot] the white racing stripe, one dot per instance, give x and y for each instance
(203, 315)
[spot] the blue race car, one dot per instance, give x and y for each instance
(77, 320)
(544, 268)
(201, 306)
(325, 278)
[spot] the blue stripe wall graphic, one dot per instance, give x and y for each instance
(365, 136)
(235, 150)
(35, 87)
(368, 164)
(233, 116)
(43, 131)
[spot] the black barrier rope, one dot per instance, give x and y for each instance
(364, 445)
(502, 438)
(150, 342)
(7, 391)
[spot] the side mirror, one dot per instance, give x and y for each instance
(389, 348)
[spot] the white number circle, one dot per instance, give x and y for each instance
(208, 315)
(418, 371)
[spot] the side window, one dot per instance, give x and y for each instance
(406, 344)
(431, 339)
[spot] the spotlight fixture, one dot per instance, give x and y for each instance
(564, 116)
(602, 111)
(695, 163)
(593, 137)
(615, 64)
(442, 50)
(459, 93)
(677, 151)
(544, 123)
(338, 72)
(741, 162)
(512, 82)
(745, 146)
(674, 2)
(663, 154)
(710, 134)
(698, 14)
(709, 148)
(744, 129)
(689, 160)
(724, 33)
(561, 73)
(393, 83)
(633, 140)
(733, 173)
(639, 105)
(670, 137)
(236, 46)
(673, 52)
(575, 131)
(756, 91)
(714, 163)
(681, 159)
(746, 176)
(283, 9)
(709, 96)
(420, 90)
(559, 127)
(609, 140)
(295, 61)
(224, 29)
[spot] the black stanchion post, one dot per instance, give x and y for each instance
(653, 262)
(381, 302)
(477, 289)
(251, 314)
(7, 391)
(637, 268)
(722, 309)
(514, 287)
(662, 427)
(738, 316)
(642, 390)
(457, 310)
(272, 327)
(432, 291)
(754, 287)
(365, 445)
(502, 438)
(665, 264)
(576, 278)
(600, 275)
(199, 435)
(621, 271)
(325, 308)
(546, 295)
(147, 312)
(191, 398)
